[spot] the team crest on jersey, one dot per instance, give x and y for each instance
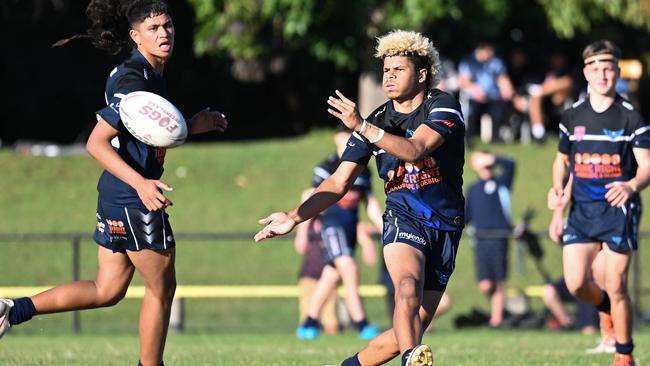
(613, 134)
(579, 132)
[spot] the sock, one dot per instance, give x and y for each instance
(625, 348)
(538, 131)
(310, 322)
(361, 324)
(604, 305)
(352, 361)
(405, 356)
(22, 311)
(140, 363)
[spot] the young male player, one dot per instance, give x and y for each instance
(605, 144)
(338, 231)
(418, 140)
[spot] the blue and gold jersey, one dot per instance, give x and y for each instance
(599, 146)
(345, 212)
(429, 191)
(133, 75)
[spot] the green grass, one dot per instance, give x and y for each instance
(227, 187)
(460, 348)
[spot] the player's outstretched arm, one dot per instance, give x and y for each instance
(619, 192)
(412, 149)
(100, 148)
(328, 193)
(207, 121)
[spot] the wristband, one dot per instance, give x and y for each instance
(364, 125)
(380, 135)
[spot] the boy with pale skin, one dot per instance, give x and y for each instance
(605, 145)
(418, 139)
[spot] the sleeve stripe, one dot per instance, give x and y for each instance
(641, 130)
(564, 129)
(448, 110)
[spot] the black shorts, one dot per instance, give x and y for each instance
(491, 259)
(591, 222)
(122, 228)
(337, 241)
(439, 247)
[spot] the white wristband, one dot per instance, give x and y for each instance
(364, 125)
(380, 135)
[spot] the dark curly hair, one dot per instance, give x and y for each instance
(111, 21)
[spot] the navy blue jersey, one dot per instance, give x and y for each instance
(429, 191)
(345, 212)
(133, 75)
(599, 146)
(488, 201)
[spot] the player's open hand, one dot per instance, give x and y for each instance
(345, 110)
(277, 223)
(150, 195)
(207, 121)
(618, 193)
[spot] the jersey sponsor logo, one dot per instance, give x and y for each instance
(579, 132)
(116, 229)
(413, 176)
(412, 237)
(597, 166)
(613, 134)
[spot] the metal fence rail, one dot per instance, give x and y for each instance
(637, 289)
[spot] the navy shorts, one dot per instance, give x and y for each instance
(591, 222)
(491, 259)
(122, 228)
(439, 247)
(337, 241)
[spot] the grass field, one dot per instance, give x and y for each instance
(459, 348)
(226, 187)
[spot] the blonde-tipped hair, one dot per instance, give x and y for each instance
(411, 44)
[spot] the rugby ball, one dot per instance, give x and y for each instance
(152, 119)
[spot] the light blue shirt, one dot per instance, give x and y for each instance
(484, 74)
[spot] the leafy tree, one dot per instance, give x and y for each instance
(256, 32)
(566, 17)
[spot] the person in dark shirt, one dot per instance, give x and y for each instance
(418, 140)
(605, 145)
(488, 212)
(133, 230)
(338, 230)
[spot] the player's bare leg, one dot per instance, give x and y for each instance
(157, 270)
(113, 277)
(349, 273)
(616, 274)
(324, 287)
(384, 347)
(577, 262)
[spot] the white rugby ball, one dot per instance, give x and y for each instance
(152, 119)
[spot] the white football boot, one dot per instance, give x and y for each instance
(5, 307)
(420, 356)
